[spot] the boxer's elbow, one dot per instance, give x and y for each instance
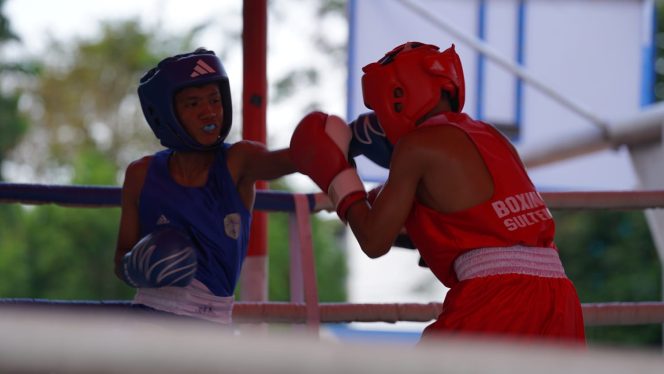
(373, 237)
(373, 254)
(375, 247)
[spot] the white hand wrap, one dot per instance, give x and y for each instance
(344, 184)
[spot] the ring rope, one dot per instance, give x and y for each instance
(623, 313)
(594, 314)
(52, 342)
(110, 196)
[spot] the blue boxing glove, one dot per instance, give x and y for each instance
(165, 257)
(369, 140)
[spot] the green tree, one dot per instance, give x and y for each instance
(85, 98)
(85, 105)
(12, 124)
(610, 257)
(331, 267)
(659, 52)
(12, 127)
(65, 252)
(302, 84)
(299, 88)
(90, 128)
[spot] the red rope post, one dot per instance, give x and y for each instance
(254, 102)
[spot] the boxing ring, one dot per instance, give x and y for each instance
(36, 320)
(304, 307)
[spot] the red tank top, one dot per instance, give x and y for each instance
(514, 215)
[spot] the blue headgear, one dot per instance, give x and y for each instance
(157, 89)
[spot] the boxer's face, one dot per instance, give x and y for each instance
(201, 112)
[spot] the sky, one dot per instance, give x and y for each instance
(36, 20)
(66, 20)
(73, 19)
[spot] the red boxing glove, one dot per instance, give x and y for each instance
(318, 149)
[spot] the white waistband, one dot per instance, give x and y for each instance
(483, 262)
(195, 300)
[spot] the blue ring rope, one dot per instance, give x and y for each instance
(109, 196)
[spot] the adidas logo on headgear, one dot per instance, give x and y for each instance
(163, 220)
(201, 68)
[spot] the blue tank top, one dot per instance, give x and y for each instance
(214, 216)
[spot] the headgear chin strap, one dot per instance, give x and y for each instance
(157, 89)
(407, 82)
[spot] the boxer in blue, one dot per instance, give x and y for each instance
(186, 210)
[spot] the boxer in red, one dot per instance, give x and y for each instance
(462, 193)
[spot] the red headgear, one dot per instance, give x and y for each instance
(406, 84)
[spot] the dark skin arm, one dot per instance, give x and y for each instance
(248, 162)
(128, 234)
(440, 167)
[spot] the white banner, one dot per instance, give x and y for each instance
(596, 55)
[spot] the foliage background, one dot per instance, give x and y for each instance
(74, 118)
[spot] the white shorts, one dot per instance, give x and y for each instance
(195, 300)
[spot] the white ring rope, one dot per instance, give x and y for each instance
(49, 342)
(595, 200)
(644, 199)
(594, 314)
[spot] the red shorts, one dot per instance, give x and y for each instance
(512, 305)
